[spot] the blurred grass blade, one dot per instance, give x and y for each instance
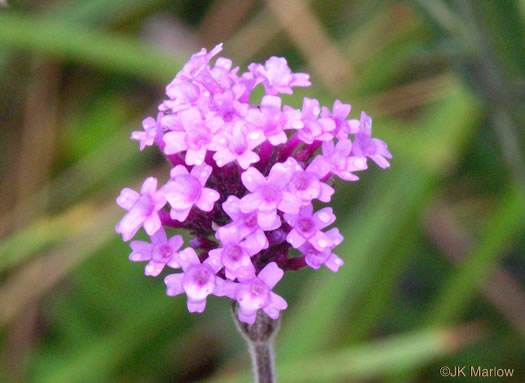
(101, 356)
(87, 232)
(45, 232)
(453, 298)
(372, 360)
(98, 11)
(443, 15)
(102, 50)
(506, 223)
(378, 298)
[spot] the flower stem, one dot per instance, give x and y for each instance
(262, 360)
(259, 337)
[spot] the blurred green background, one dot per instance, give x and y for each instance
(434, 270)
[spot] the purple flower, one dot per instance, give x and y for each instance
(256, 293)
(183, 91)
(268, 194)
(277, 77)
(220, 79)
(245, 223)
(183, 95)
(339, 113)
(311, 127)
(160, 252)
(306, 184)
(195, 138)
(315, 258)
(365, 145)
(238, 145)
(265, 165)
(198, 281)
(150, 134)
(340, 160)
(269, 118)
(235, 255)
(197, 63)
(187, 189)
(306, 227)
(223, 73)
(142, 209)
(227, 105)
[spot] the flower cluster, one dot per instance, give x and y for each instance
(243, 183)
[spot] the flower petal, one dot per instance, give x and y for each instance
(207, 199)
(174, 284)
(271, 274)
(266, 218)
(127, 198)
(196, 306)
(252, 179)
(250, 202)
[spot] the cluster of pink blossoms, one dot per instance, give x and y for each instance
(243, 183)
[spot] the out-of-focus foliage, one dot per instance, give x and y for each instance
(434, 268)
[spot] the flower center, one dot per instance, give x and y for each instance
(258, 289)
(199, 137)
(301, 181)
(305, 225)
(162, 253)
(311, 251)
(314, 256)
(271, 193)
(201, 277)
(189, 187)
(145, 205)
(200, 141)
(198, 282)
(165, 251)
(251, 221)
(233, 253)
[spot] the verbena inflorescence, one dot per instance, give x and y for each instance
(243, 183)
